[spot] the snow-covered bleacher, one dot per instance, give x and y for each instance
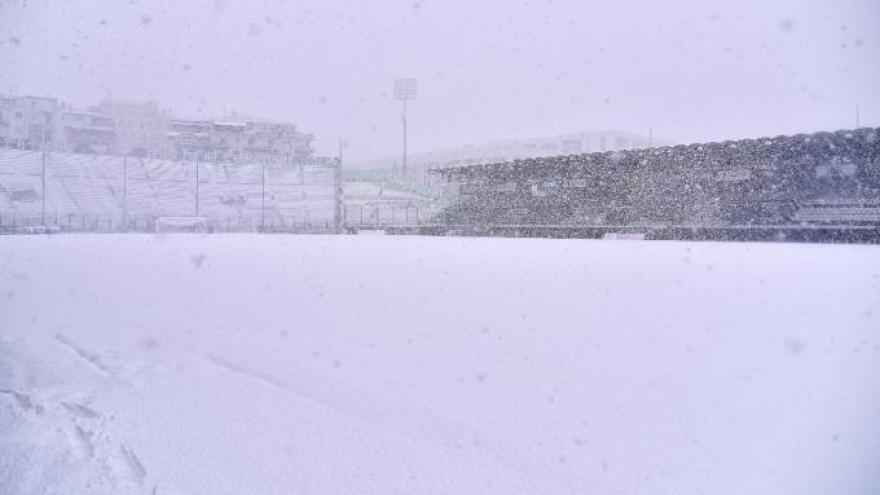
(825, 212)
(117, 188)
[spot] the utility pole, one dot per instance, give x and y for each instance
(403, 163)
(404, 90)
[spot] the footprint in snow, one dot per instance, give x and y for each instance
(197, 260)
(80, 410)
(133, 468)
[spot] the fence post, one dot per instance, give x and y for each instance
(197, 185)
(263, 196)
(339, 194)
(43, 220)
(124, 192)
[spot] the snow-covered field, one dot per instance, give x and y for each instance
(401, 365)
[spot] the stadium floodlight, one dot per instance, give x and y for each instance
(405, 90)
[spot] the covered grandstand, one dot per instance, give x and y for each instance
(822, 186)
(83, 191)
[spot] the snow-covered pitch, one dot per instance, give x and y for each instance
(247, 364)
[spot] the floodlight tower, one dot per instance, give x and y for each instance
(404, 90)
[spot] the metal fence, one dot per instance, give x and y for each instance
(383, 214)
(105, 224)
(59, 191)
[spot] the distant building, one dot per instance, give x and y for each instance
(29, 121)
(278, 138)
(140, 127)
(189, 135)
(230, 138)
(87, 132)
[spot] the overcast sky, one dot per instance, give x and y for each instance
(693, 70)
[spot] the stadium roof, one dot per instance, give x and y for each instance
(713, 151)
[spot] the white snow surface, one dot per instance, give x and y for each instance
(248, 364)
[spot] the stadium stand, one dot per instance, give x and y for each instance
(817, 186)
(122, 190)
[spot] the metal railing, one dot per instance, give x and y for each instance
(71, 223)
(92, 193)
(375, 215)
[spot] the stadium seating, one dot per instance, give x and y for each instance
(109, 187)
(839, 213)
